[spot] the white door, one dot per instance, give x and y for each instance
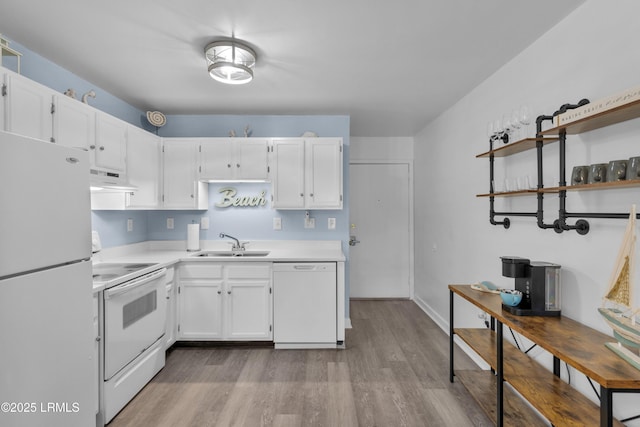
(143, 168)
(111, 142)
(251, 158)
(324, 173)
(215, 159)
(28, 108)
(287, 175)
(74, 123)
(180, 157)
(380, 219)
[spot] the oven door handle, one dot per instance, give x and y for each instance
(127, 286)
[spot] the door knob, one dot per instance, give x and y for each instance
(353, 241)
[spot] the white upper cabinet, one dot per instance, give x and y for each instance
(181, 188)
(111, 143)
(233, 159)
(323, 179)
(27, 107)
(143, 166)
(287, 175)
(307, 173)
(74, 123)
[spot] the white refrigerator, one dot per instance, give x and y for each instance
(46, 319)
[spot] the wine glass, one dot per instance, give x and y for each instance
(506, 125)
(490, 132)
(525, 117)
(498, 129)
(515, 123)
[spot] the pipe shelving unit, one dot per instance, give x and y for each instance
(552, 135)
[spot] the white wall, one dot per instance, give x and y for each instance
(381, 148)
(593, 53)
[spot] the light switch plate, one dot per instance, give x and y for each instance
(204, 223)
(130, 224)
(331, 224)
(309, 223)
(277, 223)
(170, 223)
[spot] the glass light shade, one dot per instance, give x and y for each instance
(230, 62)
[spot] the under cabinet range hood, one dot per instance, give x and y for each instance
(102, 180)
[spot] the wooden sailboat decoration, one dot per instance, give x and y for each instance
(617, 307)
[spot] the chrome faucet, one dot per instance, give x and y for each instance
(237, 246)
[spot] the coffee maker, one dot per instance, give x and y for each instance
(539, 283)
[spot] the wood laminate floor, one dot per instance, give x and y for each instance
(393, 372)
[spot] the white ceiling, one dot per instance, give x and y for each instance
(391, 66)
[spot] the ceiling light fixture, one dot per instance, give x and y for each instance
(230, 61)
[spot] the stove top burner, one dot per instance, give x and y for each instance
(105, 272)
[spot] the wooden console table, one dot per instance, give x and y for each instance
(567, 340)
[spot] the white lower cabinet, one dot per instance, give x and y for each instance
(225, 301)
(96, 353)
(170, 330)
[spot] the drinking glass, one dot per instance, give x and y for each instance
(525, 118)
(506, 124)
(515, 124)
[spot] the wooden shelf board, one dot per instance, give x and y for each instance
(516, 412)
(517, 147)
(560, 403)
(606, 118)
(508, 193)
(579, 345)
(601, 185)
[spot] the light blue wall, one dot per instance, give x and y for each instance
(245, 223)
(45, 72)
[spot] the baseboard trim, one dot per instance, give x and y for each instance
(444, 325)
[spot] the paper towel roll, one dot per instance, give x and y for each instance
(193, 237)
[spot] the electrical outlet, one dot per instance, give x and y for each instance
(170, 223)
(130, 224)
(277, 223)
(331, 223)
(310, 223)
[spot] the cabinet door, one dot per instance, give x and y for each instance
(74, 124)
(248, 301)
(200, 309)
(251, 159)
(215, 159)
(111, 142)
(143, 169)
(28, 108)
(96, 353)
(181, 190)
(324, 173)
(287, 176)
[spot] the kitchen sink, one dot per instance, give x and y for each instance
(233, 254)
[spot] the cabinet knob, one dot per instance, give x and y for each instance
(102, 148)
(92, 147)
(192, 196)
(219, 292)
(301, 194)
(311, 195)
(98, 339)
(229, 292)
(237, 165)
(228, 165)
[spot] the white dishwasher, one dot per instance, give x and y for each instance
(304, 305)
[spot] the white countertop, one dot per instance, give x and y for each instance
(168, 253)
